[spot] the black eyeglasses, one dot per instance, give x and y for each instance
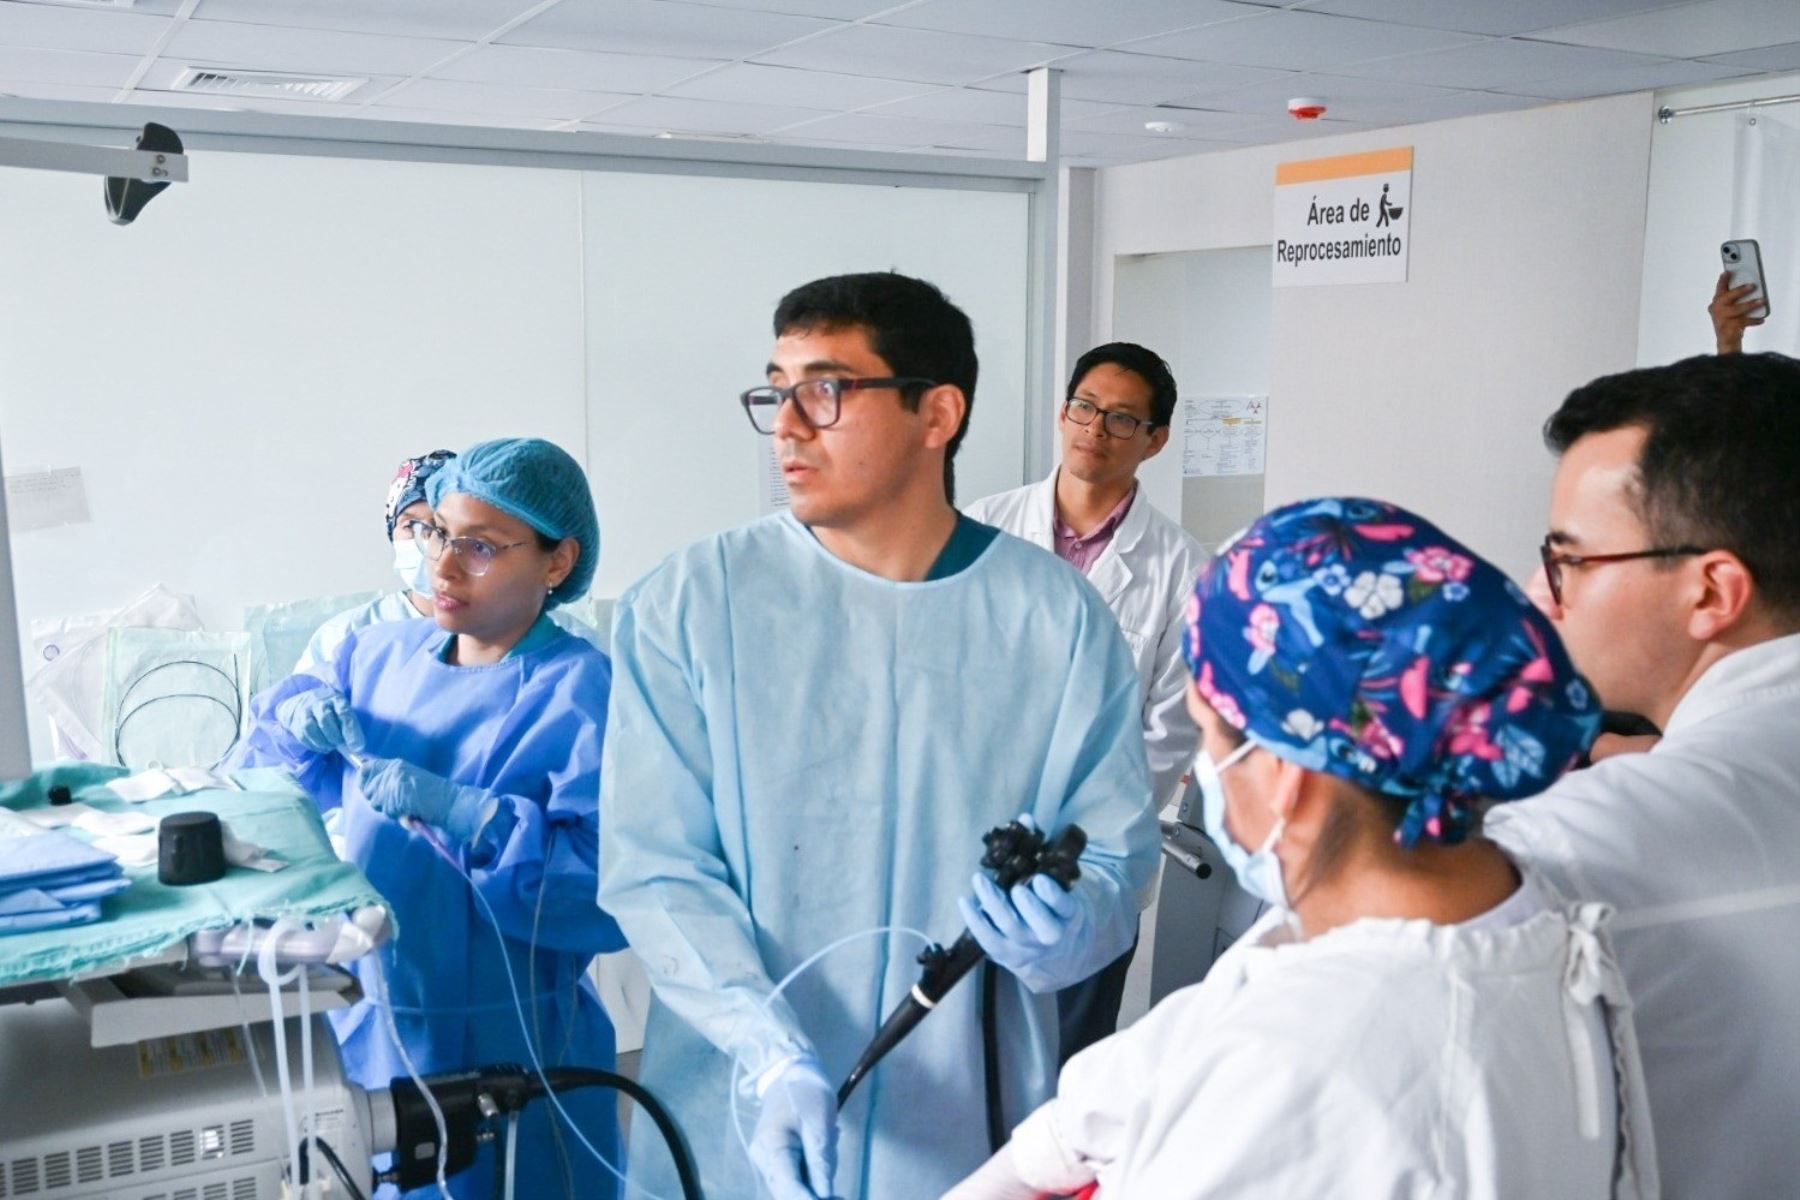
(1554, 563)
(475, 555)
(819, 401)
(1117, 424)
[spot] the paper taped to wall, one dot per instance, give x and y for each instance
(1223, 435)
(45, 500)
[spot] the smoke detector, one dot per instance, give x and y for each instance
(269, 85)
(1164, 126)
(1306, 108)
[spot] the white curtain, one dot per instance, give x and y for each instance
(1766, 206)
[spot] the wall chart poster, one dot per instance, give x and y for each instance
(1223, 435)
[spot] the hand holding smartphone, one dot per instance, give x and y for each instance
(1742, 259)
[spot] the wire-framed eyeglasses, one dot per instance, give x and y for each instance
(475, 555)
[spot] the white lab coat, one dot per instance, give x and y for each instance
(1696, 845)
(1387, 1059)
(1145, 575)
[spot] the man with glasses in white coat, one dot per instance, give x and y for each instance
(1091, 513)
(1672, 571)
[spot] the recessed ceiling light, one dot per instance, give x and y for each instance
(1164, 126)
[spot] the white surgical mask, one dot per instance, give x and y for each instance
(411, 567)
(1258, 871)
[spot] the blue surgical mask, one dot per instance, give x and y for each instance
(412, 568)
(1258, 871)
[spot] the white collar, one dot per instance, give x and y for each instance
(1768, 670)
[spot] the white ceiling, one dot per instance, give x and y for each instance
(938, 76)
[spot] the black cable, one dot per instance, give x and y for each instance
(235, 708)
(990, 1053)
(570, 1078)
(337, 1165)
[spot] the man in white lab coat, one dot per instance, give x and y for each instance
(1672, 568)
(1091, 513)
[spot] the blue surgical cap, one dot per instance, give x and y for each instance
(539, 483)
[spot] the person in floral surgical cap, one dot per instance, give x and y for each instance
(1414, 1013)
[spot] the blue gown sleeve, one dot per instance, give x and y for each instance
(663, 872)
(535, 861)
(267, 743)
(1099, 779)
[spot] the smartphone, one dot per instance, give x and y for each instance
(1743, 262)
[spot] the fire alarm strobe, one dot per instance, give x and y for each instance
(1306, 108)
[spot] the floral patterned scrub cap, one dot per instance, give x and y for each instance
(1355, 638)
(408, 487)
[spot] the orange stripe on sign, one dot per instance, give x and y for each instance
(1344, 166)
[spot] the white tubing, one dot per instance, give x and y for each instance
(737, 1067)
(385, 1004)
(265, 968)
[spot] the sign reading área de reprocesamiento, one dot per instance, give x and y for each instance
(1343, 220)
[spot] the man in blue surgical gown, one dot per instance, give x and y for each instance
(814, 720)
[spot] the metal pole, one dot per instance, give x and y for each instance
(1666, 114)
(1042, 145)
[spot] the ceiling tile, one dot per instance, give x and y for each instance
(1077, 145)
(1497, 17)
(581, 70)
(153, 8)
(990, 108)
(1511, 64)
(48, 27)
(1692, 31)
(837, 10)
(863, 129)
(757, 84)
(1067, 22)
(561, 104)
(267, 48)
(663, 27)
(1371, 101)
(1770, 58)
(65, 66)
(914, 54)
(1299, 41)
(57, 91)
(463, 20)
(1129, 148)
(1647, 78)
(427, 116)
(1120, 78)
(1192, 123)
(703, 116)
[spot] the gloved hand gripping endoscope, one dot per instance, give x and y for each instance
(1015, 852)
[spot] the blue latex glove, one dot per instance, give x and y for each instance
(398, 789)
(797, 1130)
(1037, 924)
(321, 720)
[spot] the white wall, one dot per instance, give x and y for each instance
(684, 274)
(238, 373)
(1527, 232)
(1692, 161)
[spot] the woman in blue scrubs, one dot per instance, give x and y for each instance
(481, 731)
